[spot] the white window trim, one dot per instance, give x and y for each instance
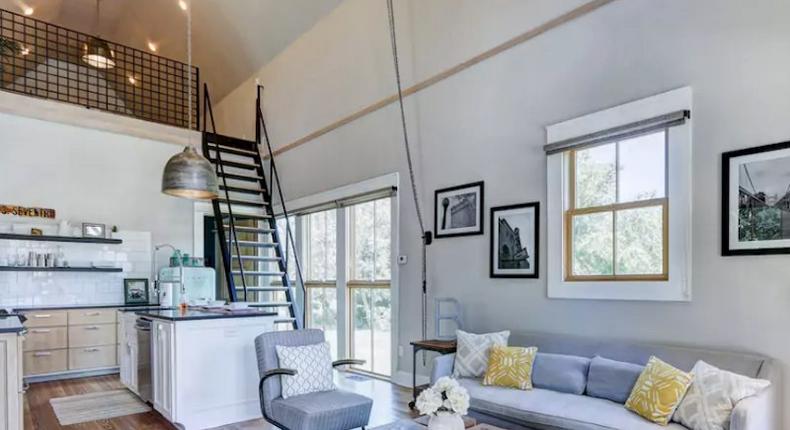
(678, 287)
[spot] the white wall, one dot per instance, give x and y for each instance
(488, 123)
(87, 175)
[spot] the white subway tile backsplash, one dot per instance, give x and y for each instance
(134, 255)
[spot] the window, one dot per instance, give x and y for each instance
(619, 202)
(618, 211)
(320, 272)
(369, 287)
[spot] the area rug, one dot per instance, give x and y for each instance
(96, 406)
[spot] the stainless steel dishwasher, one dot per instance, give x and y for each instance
(144, 383)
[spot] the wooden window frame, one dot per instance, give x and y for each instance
(614, 208)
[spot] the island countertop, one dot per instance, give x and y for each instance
(10, 324)
(200, 314)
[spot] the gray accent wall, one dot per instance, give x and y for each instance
(487, 123)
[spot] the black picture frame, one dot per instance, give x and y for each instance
(129, 295)
(494, 253)
(438, 233)
(726, 220)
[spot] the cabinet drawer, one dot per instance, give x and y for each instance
(92, 357)
(45, 338)
(91, 335)
(45, 318)
(91, 316)
(41, 362)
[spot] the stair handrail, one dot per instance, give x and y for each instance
(234, 238)
(274, 175)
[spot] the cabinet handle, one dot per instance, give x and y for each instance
(91, 350)
(42, 354)
(42, 316)
(93, 327)
(41, 330)
(92, 314)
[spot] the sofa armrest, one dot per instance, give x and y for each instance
(759, 412)
(442, 366)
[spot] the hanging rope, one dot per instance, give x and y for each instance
(425, 237)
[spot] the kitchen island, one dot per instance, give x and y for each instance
(203, 365)
(11, 391)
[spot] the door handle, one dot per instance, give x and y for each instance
(92, 314)
(93, 327)
(42, 316)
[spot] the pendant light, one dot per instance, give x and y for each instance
(96, 51)
(188, 174)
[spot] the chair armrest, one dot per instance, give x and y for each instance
(442, 366)
(348, 361)
(275, 372)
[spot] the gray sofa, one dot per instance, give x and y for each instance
(548, 408)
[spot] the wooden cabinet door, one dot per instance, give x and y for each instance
(162, 355)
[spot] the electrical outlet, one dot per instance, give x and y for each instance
(402, 259)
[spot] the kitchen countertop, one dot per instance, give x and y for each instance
(66, 307)
(10, 324)
(196, 314)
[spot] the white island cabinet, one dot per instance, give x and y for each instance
(204, 367)
(11, 390)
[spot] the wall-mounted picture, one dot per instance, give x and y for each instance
(94, 230)
(135, 291)
(458, 211)
(515, 241)
(756, 200)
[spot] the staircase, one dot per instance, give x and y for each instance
(253, 254)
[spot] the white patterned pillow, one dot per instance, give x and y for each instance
(313, 365)
(712, 396)
(471, 356)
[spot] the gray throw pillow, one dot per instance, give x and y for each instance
(612, 380)
(558, 372)
(313, 365)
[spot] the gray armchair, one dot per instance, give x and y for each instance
(329, 410)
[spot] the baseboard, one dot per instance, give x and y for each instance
(70, 375)
(403, 379)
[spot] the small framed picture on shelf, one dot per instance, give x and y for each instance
(515, 233)
(135, 291)
(458, 211)
(94, 230)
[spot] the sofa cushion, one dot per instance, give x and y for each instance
(510, 366)
(558, 372)
(547, 409)
(471, 356)
(611, 379)
(658, 391)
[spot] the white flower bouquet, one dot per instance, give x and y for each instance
(446, 396)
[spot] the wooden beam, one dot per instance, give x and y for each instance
(458, 68)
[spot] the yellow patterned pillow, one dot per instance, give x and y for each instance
(510, 366)
(658, 391)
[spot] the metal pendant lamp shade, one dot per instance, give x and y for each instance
(98, 54)
(191, 176)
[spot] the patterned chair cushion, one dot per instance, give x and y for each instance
(712, 396)
(313, 364)
(329, 410)
(471, 356)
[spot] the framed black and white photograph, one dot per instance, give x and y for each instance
(515, 241)
(756, 200)
(458, 211)
(135, 291)
(94, 230)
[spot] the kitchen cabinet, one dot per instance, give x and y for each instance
(128, 350)
(11, 388)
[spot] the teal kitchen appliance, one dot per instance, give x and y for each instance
(199, 285)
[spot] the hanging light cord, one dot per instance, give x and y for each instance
(415, 194)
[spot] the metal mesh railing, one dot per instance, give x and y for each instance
(45, 60)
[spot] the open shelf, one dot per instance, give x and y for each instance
(14, 236)
(60, 269)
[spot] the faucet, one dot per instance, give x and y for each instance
(177, 252)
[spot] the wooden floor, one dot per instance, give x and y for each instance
(390, 404)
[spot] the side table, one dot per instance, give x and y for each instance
(435, 345)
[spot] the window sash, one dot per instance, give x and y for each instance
(352, 245)
(572, 212)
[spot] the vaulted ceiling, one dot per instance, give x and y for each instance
(231, 38)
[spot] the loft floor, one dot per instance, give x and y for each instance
(390, 404)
